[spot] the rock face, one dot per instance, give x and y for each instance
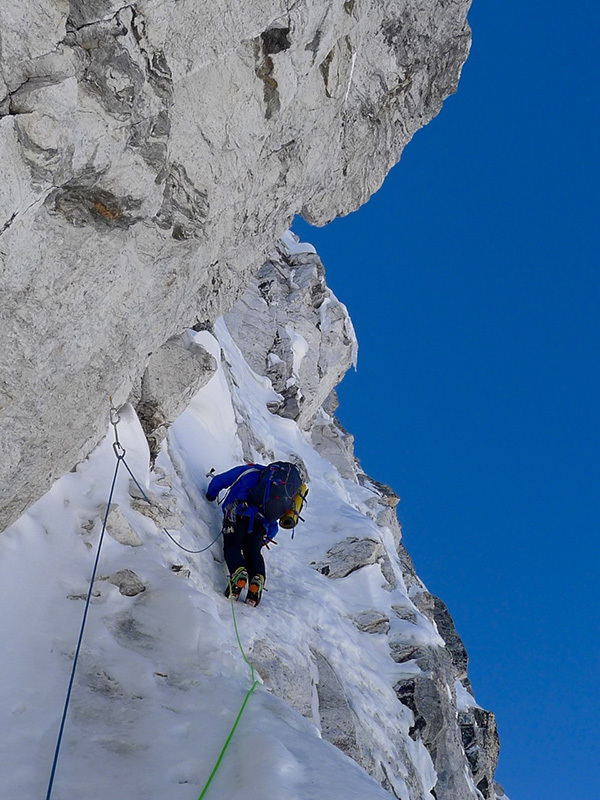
(118, 527)
(292, 329)
(446, 718)
(127, 582)
(338, 723)
(349, 555)
(151, 153)
(172, 377)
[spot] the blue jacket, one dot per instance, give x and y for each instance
(241, 480)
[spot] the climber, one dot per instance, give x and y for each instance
(258, 500)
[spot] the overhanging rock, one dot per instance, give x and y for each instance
(151, 153)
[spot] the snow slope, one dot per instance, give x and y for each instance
(160, 677)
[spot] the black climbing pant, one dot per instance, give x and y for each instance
(241, 547)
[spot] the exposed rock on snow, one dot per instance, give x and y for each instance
(161, 515)
(287, 674)
(372, 621)
(119, 528)
(391, 498)
(127, 582)
(334, 443)
(181, 570)
(338, 723)
(347, 556)
(151, 153)
(431, 696)
(434, 718)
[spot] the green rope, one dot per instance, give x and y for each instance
(228, 740)
(237, 633)
(241, 711)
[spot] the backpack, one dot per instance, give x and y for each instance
(276, 490)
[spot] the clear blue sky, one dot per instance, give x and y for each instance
(472, 278)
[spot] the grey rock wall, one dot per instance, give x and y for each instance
(291, 328)
(151, 152)
(172, 377)
(452, 732)
(461, 738)
(337, 722)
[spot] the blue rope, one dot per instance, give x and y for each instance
(120, 457)
(135, 480)
(147, 499)
(192, 551)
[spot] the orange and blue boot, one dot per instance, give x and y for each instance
(237, 582)
(255, 590)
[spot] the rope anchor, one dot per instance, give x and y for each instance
(115, 418)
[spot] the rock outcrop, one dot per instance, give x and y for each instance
(127, 582)
(292, 329)
(151, 153)
(172, 377)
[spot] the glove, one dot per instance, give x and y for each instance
(210, 498)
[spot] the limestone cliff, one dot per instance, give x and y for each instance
(150, 155)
